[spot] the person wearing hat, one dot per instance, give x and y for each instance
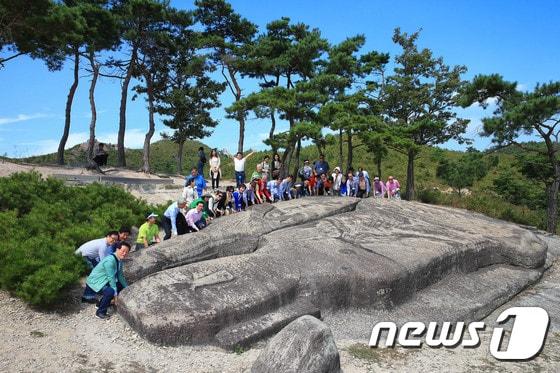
(336, 181)
(378, 188)
(306, 171)
(170, 216)
(148, 234)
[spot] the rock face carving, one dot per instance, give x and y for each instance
(376, 256)
(233, 234)
(304, 346)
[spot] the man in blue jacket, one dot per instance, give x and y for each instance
(199, 181)
(107, 280)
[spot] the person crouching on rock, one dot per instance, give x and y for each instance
(95, 250)
(107, 280)
(195, 222)
(148, 234)
(173, 222)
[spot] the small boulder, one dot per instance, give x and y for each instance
(306, 345)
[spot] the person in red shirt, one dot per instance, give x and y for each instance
(312, 184)
(324, 185)
(262, 190)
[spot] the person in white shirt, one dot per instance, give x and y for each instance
(189, 191)
(239, 166)
(93, 251)
(337, 181)
(215, 171)
(265, 164)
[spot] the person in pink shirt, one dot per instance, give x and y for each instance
(195, 222)
(378, 188)
(393, 188)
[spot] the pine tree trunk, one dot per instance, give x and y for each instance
(340, 153)
(121, 158)
(410, 189)
(180, 157)
(378, 161)
(152, 125)
(95, 75)
(552, 201)
(350, 150)
(241, 119)
(298, 149)
(69, 100)
(272, 129)
(240, 115)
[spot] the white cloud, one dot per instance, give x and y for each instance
(50, 145)
(22, 118)
(521, 87)
(134, 138)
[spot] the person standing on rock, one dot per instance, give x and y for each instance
(170, 219)
(148, 234)
(107, 280)
(215, 171)
(239, 167)
(276, 166)
(321, 166)
(265, 166)
(201, 161)
(93, 250)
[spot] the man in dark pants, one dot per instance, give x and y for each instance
(170, 216)
(201, 161)
(107, 280)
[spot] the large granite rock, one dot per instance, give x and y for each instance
(232, 235)
(305, 346)
(377, 256)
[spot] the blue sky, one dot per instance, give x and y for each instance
(518, 39)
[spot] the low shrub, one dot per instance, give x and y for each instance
(45, 221)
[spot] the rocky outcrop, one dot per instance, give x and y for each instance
(233, 235)
(305, 346)
(376, 257)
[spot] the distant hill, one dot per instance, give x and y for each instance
(483, 196)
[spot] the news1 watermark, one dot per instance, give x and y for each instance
(526, 340)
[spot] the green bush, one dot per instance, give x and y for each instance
(432, 196)
(45, 222)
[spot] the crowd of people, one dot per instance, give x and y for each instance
(198, 205)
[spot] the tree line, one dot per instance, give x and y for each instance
(183, 60)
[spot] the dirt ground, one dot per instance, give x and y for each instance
(71, 339)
